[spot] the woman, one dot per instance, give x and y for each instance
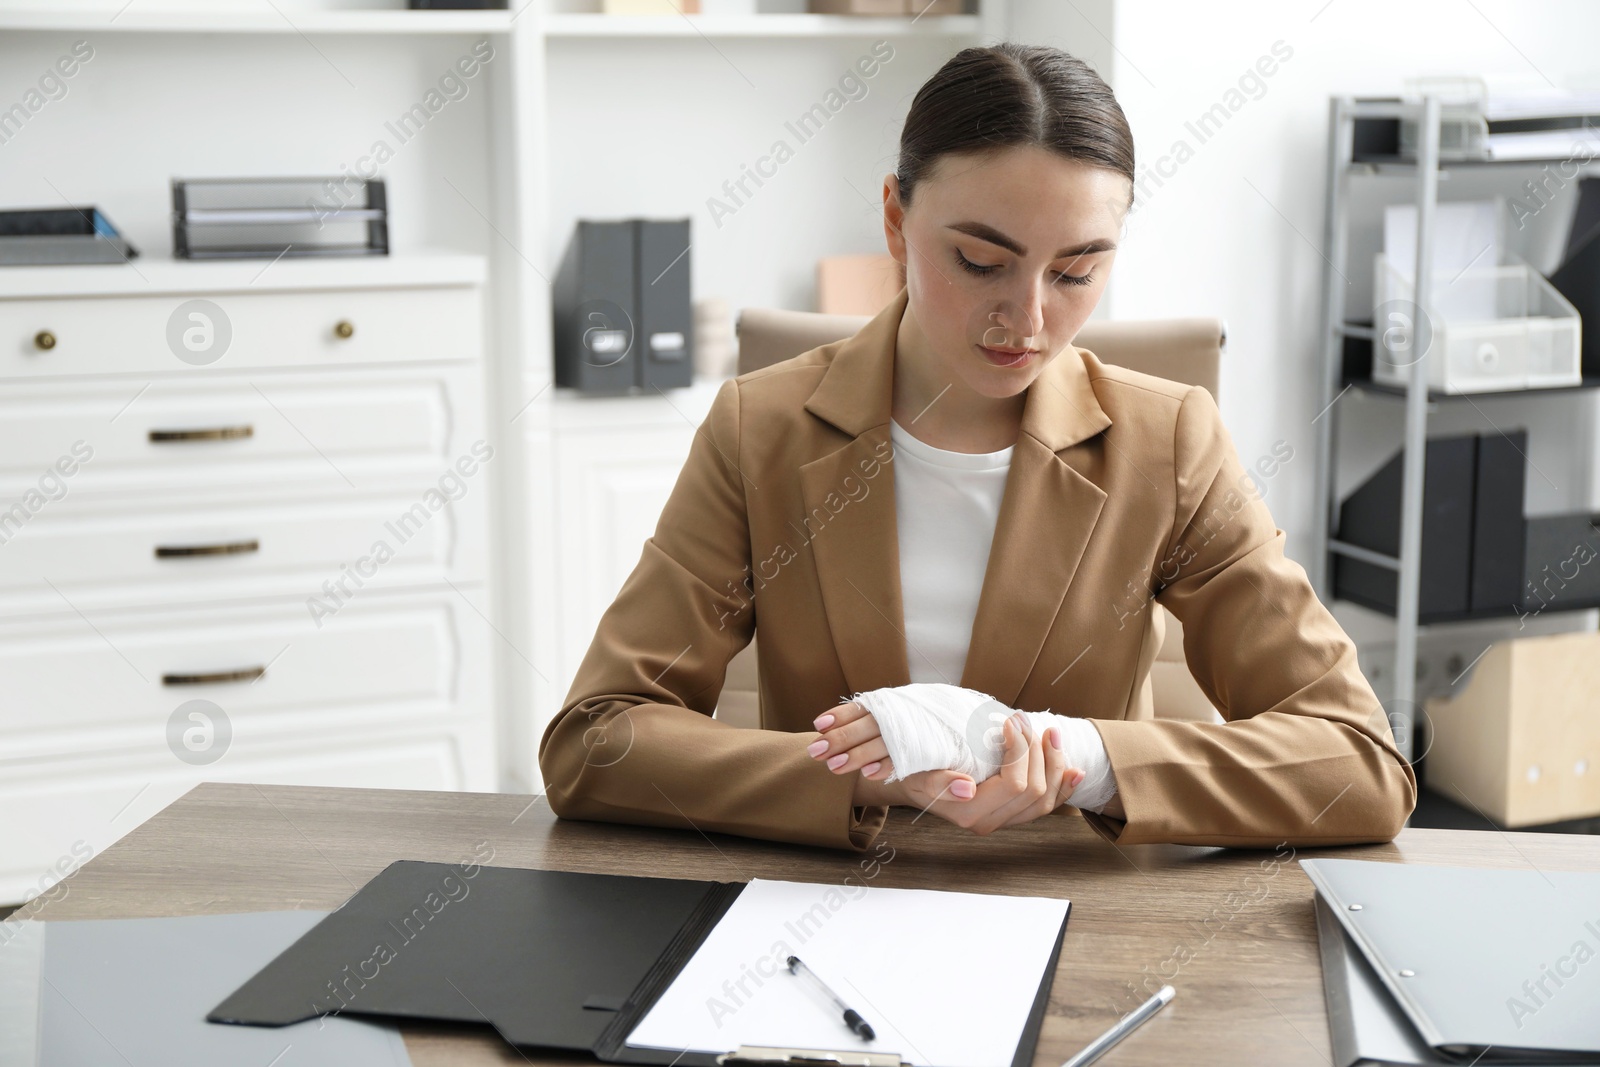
(957, 495)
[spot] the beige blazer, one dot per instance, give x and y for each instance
(1122, 487)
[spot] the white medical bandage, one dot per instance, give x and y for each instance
(929, 726)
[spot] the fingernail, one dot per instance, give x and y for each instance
(1077, 777)
(1055, 737)
(817, 747)
(822, 722)
(962, 789)
(835, 762)
(871, 768)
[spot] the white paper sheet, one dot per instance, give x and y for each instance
(945, 979)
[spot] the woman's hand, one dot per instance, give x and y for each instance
(851, 741)
(1033, 780)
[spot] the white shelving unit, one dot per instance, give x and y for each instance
(785, 25)
(1417, 402)
(604, 466)
(560, 24)
(141, 18)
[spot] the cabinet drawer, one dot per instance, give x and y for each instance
(61, 815)
(108, 680)
(334, 429)
(171, 333)
(182, 549)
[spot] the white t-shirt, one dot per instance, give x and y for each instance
(946, 505)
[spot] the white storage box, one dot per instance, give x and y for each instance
(1493, 327)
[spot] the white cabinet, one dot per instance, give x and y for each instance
(603, 469)
(335, 427)
(267, 564)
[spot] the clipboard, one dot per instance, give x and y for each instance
(550, 959)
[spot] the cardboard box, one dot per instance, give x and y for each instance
(1521, 742)
(649, 7)
(858, 285)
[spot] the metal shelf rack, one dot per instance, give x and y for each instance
(1376, 156)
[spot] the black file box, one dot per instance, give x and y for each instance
(1578, 276)
(1370, 518)
(622, 307)
(1497, 524)
(1561, 568)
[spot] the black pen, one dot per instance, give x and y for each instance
(852, 1018)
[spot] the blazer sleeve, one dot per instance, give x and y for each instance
(1306, 755)
(635, 740)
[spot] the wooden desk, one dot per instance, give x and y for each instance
(1231, 930)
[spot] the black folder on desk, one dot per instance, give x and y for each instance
(551, 959)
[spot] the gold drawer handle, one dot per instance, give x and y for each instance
(344, 328)
(216, 433)
(246, 674)
(44, 340)
(224, 548)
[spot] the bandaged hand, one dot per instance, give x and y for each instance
(891, 733)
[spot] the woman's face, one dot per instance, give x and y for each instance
(1006, 255)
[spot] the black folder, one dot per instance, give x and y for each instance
(1578, 277)
(592, 308)
(1370, 518)
(622, 307)
(666, 304)
(1497, 523)
(551, 959)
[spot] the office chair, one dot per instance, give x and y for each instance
(1182, 350)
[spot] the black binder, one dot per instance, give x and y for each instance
(666, 307)
(1497, 523)
(1578, 277)
(550, 959)
(1370, 518)
(622, 307)
(593, 311)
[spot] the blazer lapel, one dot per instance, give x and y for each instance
(858, 561)
(1046, 518)
(853, 535)
(1047, 515)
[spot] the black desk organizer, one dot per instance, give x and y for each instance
(264, 218)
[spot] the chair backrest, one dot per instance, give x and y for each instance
(1182, 350)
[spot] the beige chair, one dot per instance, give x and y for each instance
(1182, 350)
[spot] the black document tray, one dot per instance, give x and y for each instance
(550, 959)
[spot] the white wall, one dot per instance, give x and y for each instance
(1237, 230)
(660, 124)
(150, 107)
